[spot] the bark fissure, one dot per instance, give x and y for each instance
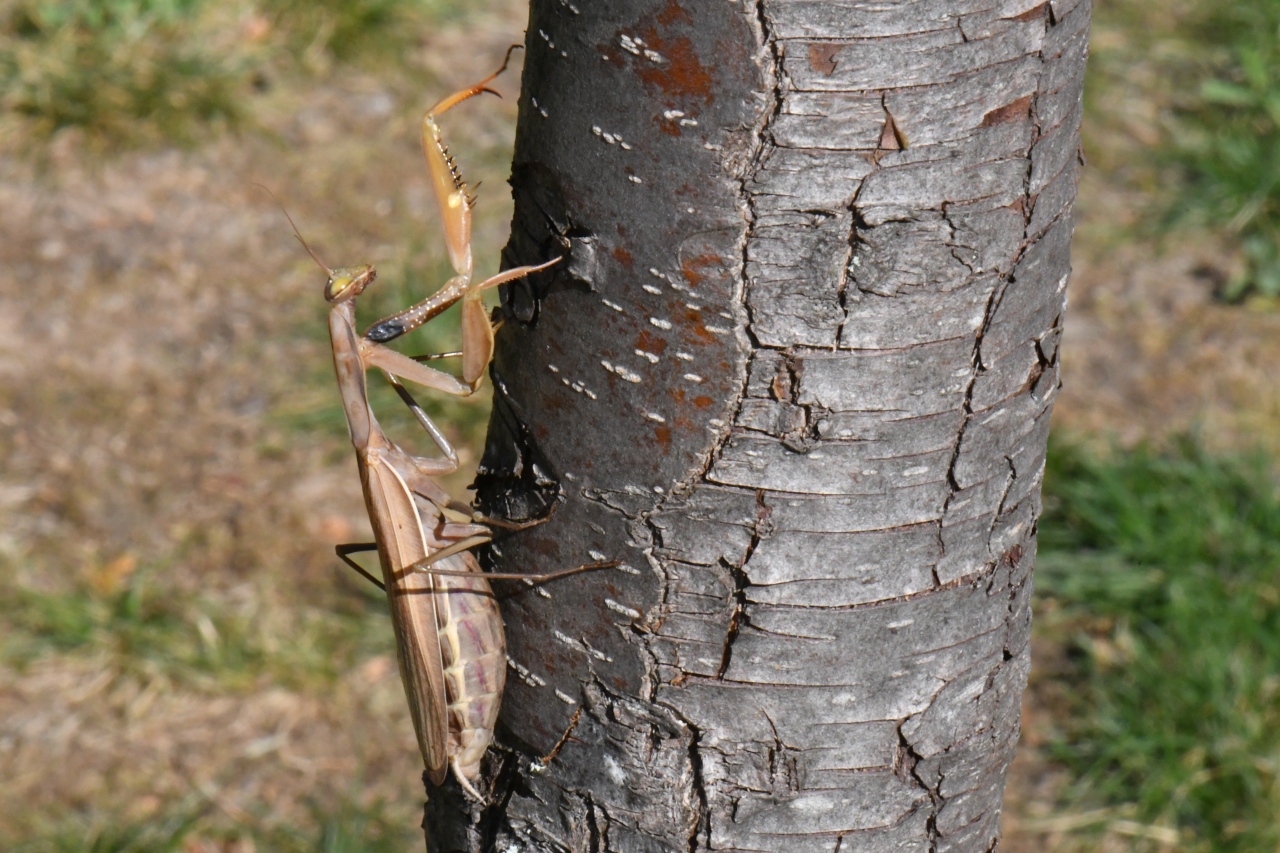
(1004, 495)
(738, 618)
(700, 827)
(909, 761)
(747, 341)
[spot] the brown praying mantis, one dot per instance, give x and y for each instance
(448, 630)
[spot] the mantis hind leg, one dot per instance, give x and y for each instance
(344, 553)
(449, 550)
(425, 566)
(504, 524)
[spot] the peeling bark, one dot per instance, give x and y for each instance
(797, 372)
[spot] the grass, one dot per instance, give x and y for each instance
(114, 836)
(146, 73)
(1161, 573)
(1197, 84)
(1228, 132)
(347, 827)
(228, 641)
(126, 71)
(322, 31)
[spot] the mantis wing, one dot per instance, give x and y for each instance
(412, 598)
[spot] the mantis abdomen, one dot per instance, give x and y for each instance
(474, 655)
(471, 653)
(449, 638)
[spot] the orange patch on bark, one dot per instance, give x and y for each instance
(700, 331)
(683, 77)
(540, 545)
(692, 268)
(1033, 14)
(1019, 109)
(822, 57)
(650, 342)
(672, 12)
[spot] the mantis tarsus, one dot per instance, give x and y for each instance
(448, 629)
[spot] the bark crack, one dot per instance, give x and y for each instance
(738, 573)
(1009, 481)
(597, 825)
(856, 223)
(1037, 133)
(908, 767)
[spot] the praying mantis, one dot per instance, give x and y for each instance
(449, 637)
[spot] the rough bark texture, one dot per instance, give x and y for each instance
(797, 371)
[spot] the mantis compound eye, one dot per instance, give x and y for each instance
(335, 287)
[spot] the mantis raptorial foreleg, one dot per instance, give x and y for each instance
(455, 203)
(477, 331)
(450, 189)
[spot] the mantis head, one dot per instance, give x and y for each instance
(348, 282)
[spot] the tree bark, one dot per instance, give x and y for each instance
(796, 370)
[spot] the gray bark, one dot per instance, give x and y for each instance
(796, 371)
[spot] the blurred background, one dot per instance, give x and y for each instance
(184, 667)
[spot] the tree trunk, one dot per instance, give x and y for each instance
(796, 370)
